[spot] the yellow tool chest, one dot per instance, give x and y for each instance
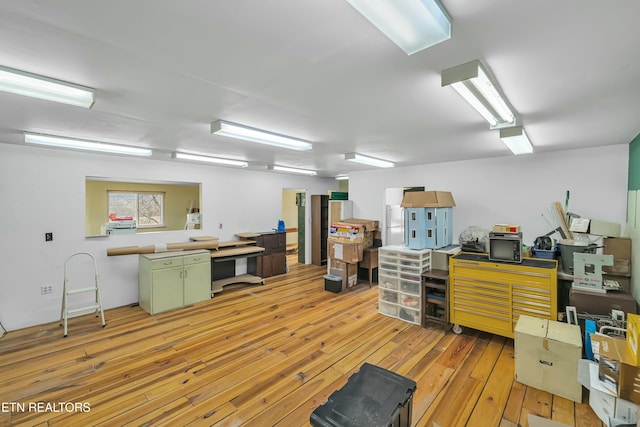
(490, 296)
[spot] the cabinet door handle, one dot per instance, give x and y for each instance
(186, 273)
(181, 274)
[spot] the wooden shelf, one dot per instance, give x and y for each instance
(435, 279)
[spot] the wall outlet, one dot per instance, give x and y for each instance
(46, 289)
(220, 226)
(48, 237)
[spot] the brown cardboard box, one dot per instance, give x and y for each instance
(596, 303)
(369, 224)
(616, 370)
(547, 355)
(620, 248)
(428, 199)
(349, 252)
(347, 272)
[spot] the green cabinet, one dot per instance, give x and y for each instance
(171, 280)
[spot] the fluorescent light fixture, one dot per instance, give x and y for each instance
(413, 25)
(247, 133)
(342, 177)
(81, 144)
(472, 82)
(217, 160)
(366, 160)
(516, 139)
(27, 84)
(292, 170)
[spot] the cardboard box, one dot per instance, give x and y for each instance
(616, 370)
(601, 304)
(612, 410)
(620, 248)
(428, 199)
(440, 257)
(369, 224)
(349, 252)
(347, 272)
(547, 355)
(343, 232)
(595, 226)
(633, 338)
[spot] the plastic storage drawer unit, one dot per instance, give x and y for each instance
(372, 397)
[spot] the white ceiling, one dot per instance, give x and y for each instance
(317, 70)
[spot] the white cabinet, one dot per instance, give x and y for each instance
(171, 280)
(400, 282)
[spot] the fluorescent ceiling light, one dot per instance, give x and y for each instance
(27, 84)
(516, 139)
(292, 170)
(413, 25)
(472, 82)
(81, 144)
(234, 130)
(217, 160)
(342, 177)
(371, 161)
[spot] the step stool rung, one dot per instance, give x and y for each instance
(76, 310)
(81, 290)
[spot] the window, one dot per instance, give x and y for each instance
(147, 208)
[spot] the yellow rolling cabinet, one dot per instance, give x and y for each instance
(490, 296)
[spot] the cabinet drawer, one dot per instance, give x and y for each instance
(410, 287)
(389, 282)
(197, 258)
(388, 309)
(388, 296)
(158, 264)
(407, 300)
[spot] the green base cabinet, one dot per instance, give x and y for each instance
(171, 280)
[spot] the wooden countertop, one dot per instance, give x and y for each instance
(234, 251)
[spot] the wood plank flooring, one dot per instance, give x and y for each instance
(259, 356)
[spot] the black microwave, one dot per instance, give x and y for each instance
(505, 247)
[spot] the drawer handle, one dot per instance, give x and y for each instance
(546, 362)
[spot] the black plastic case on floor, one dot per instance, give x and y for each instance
(372, 397)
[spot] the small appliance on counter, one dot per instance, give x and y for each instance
(505, 247)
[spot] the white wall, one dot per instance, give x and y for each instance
(43, 191)
(511, 189)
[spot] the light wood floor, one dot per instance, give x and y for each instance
(261, 356)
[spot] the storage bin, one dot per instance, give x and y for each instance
(372, 397)
(544, 253)
(332, 283)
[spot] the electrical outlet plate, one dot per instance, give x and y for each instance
(46, 289)
(48, 237)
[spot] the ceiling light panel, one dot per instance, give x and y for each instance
(207, 159)
(366, 160)
(292, 170)
(413, 25)
(35, 86)
(82, 144)
(516, 139)
(247, 133)
(472, 82)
